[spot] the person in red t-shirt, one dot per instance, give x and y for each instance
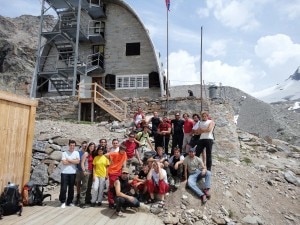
(133, 156)
(164, 131)
(187, 131)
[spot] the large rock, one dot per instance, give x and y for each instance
(56, 173)
(40, 175)
(56, 155)
(40, 146)
(291, 177)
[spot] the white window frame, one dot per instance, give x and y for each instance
(51, 87)
(133, 81)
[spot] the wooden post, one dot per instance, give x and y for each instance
(29, 142)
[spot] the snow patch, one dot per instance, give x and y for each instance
(296, 106)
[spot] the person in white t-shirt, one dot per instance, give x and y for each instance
(157, 182)
(70, 159)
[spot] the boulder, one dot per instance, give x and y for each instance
(40, 175)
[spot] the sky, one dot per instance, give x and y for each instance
(247, 44)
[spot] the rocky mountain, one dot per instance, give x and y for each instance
(18, 43)
(288, 90)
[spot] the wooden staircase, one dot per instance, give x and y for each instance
(93, 92)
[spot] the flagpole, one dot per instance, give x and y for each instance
(201, 71)
(167, 61)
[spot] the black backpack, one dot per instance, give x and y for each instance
(33, 194)
(10, 201)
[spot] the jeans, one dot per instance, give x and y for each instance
(123, 202)
(98, 189)
(196, 176)
(67, 183)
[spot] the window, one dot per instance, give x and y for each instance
(140, 81)
(60, 84)
(133, 49)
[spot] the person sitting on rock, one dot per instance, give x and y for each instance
(133, 156)
(175, 167)
(161, 157)
(195, 168)
(157, 182)
(139, 182)
(123, 199)
(144, 139)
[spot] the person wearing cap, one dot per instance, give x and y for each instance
(195, 168)
(164, 132)
(100, 164)
(117, 161)
(122, 195)
(205, 143)
(144, 138)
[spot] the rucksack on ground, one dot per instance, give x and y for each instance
(33, 194)
(10, 201)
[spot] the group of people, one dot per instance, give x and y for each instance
(130, 174)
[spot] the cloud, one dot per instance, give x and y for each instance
(234, 14)
(292, 9)
(240, 76)
(217, 48)
(203, 12)
(277, 50)
(183, 68)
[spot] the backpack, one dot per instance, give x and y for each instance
(10, 201)
(33, 195)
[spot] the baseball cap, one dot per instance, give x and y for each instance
(125, 170)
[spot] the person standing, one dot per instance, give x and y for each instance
(79, 174)
(155, 121)
(139, 118)
(117, 161)
(195, 168)
(195, 136)
(164, 131)
(187, 129)
(177, 136)
(206, 140)
(87, 171)
(70, 159)
(100, 164)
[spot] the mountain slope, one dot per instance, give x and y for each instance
(288, 90)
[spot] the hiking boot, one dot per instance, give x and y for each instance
(111, 206)
(203, 199)
(99, 204)
(83, 206)
(206, 192)
(71, 205)
(93, 204)
(63, 205)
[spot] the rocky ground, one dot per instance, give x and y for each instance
(262, 186)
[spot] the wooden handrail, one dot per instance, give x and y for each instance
(97, 95)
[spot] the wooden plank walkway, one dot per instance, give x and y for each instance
(52, 214)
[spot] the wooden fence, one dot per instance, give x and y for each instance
(17, 119)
